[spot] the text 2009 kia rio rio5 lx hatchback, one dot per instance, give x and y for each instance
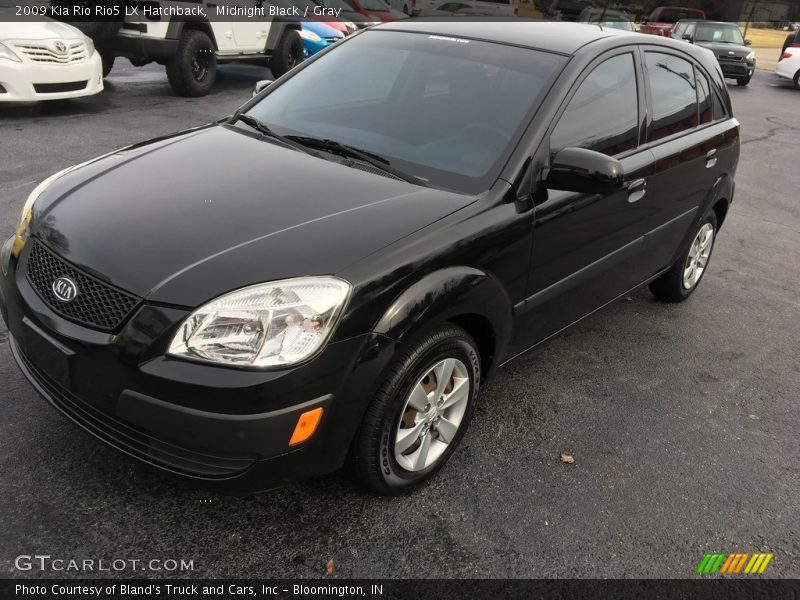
(329, 278)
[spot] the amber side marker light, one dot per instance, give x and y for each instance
(306, 426)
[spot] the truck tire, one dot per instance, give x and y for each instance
(288, 54)
(193, 69)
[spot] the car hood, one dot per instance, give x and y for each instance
(185, 218)
(725, 50)
(43, 29)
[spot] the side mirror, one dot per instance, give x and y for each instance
(748, 42)
(585, 172)
(260, 86)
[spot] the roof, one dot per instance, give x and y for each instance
(560, 37)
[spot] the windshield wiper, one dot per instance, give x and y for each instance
(264, 129)
(347, 151)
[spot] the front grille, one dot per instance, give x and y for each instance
(46, 53)
(96, 304)
(55, 88)
(132, 440)
(736, 59)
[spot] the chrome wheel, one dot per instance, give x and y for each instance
(431, 415)
(699, 253)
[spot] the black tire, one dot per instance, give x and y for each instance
(372, 458)
(670, 286)
(288, 54)
(108, 62)
(193, 69)
(743, 81)
(797, 80)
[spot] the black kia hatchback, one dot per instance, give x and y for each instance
(322, 279)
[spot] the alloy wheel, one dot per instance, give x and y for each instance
(432, 414)
(699, 253)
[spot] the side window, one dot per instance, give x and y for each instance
(674, 95)
(704, 99)
(719, 109)
(603, 115)
(678, 31)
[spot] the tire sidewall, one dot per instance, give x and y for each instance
(462, 348)
(192, 43)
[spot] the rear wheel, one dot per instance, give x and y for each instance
(677, 284)
(419, 414)
(288, 54)
(193, 69)
(797, 80)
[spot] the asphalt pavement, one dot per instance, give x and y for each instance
(683, 420)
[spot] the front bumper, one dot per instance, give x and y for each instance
(225, 428)
(31, 81)
(737, 70)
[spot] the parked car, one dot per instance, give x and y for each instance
(662, 20)
(317, 36)
(311, 8)
(615, 19)
(792, 41)
(342, 276)
(46, 60)
(191, 49)
(568, 10)
(789, 66)
(348, 13)
(467, 8)
(736, 59)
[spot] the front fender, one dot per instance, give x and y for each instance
(446, 295)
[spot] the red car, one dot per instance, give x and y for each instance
(663, 19)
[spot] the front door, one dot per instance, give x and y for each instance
(587, 248)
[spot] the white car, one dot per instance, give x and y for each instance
(789, 66)
(46, 60)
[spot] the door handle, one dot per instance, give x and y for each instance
(711, 159)
(637, 190)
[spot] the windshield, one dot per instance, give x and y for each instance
(446, 110)
(719, 34)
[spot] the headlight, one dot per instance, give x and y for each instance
(27, 209)
(6, 52)
(265, 325)
(309, 35)
(751, 56)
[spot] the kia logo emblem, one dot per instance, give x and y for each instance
(61, 47)
(65, 289)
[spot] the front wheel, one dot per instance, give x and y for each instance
(743, 81)
(797, 80)
(677, 284)
(419, 414)
(288, 54)
(193, 69)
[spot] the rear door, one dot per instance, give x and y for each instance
(587, 247)
(686, 142)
